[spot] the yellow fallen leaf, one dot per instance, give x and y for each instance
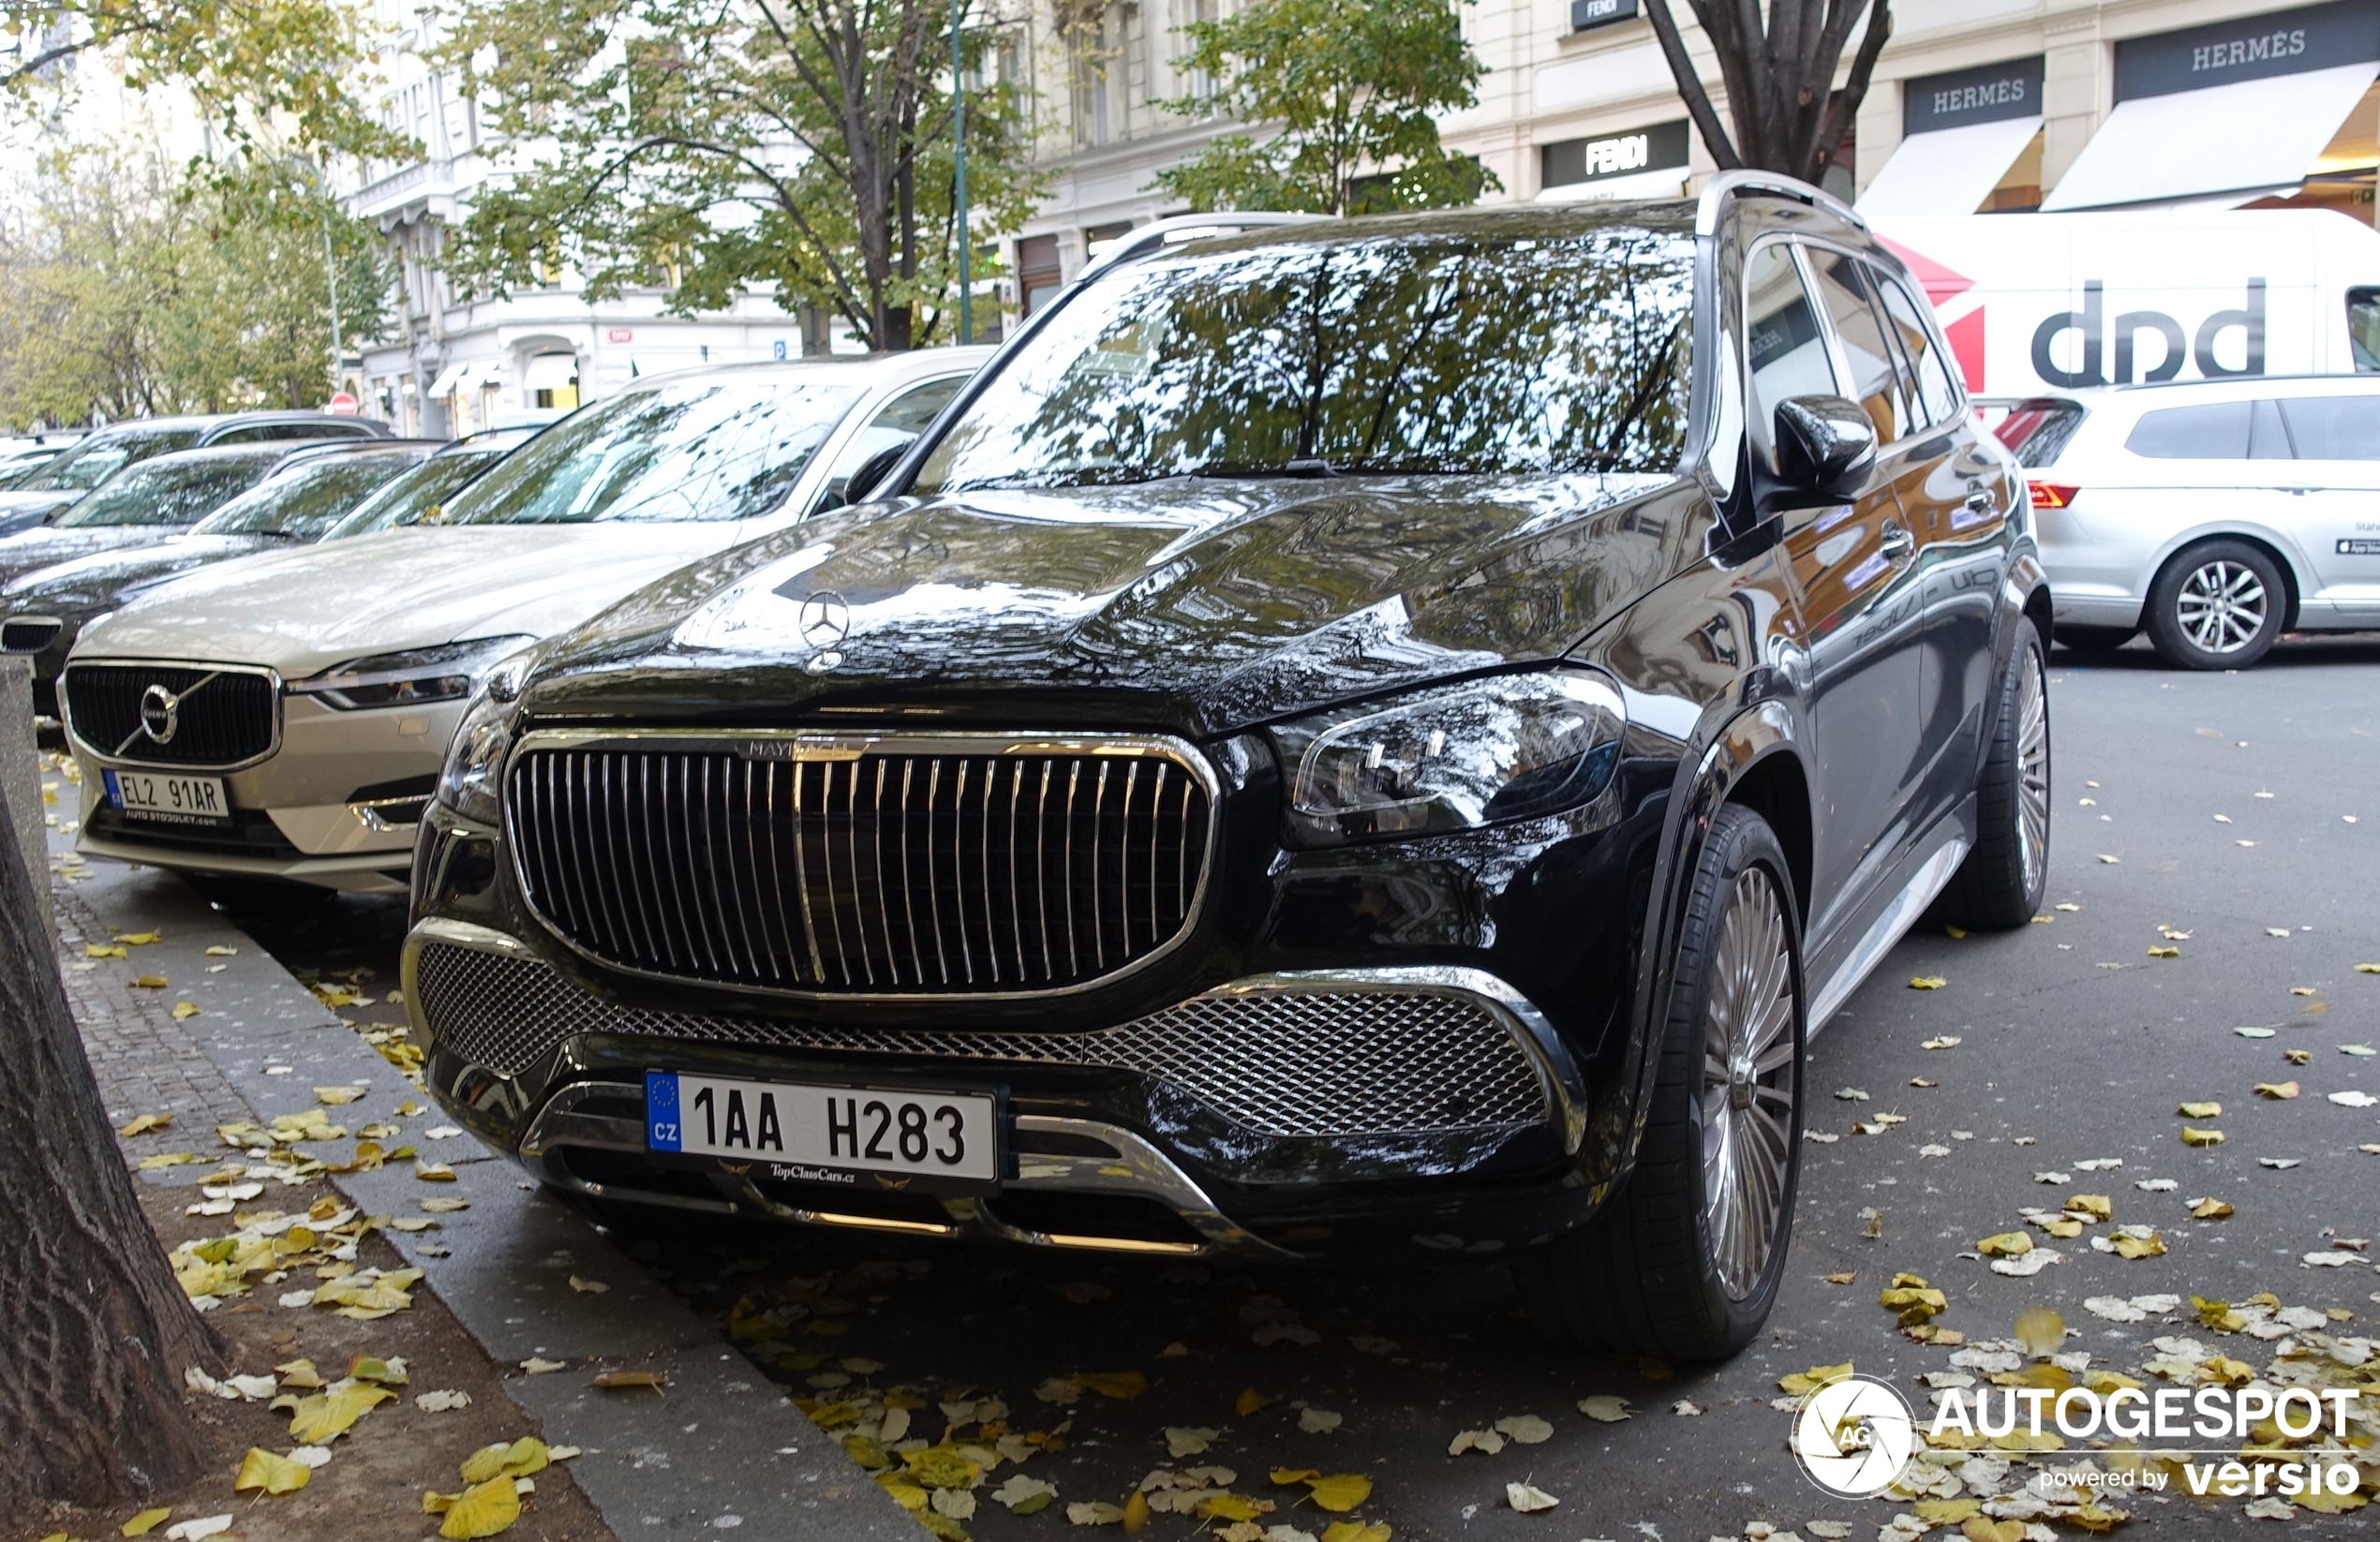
(1119, 1384)
(137, 939)
(2327, 1503)
(2368, 968)
(337, 1095)
(2164, 953)
(185, 1009)
(482, 1511)
(1250, 1401)
(1926, 982)
(218, 951)
(1135, 1512)
(2006, 1245)
(372, 1368)
(319, 1419)
(2151, 1246)
(142, 1124)
(2097, 1207)
(1950, 1512)
(1356, 1531)
(1982, 1528)
(93, 950)
(1286, 1475)
(616, 1380)
(2041, 1330)
(518, 1458)
(2278, 1091)
(2210, 1209)
(2200, 1137)
(1230, 1506)
(2200, 1111)
(145, 1522)
(262, 1469)
(152, 982)
(1340, 1493)
(1815, 1377)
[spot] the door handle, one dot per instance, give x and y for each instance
(1981, 501)
(1897, 543)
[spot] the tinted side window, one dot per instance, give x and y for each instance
(1938, 399)
(2215, 432)
(2363, 328)
(2039, 430)
(2335, 428)
(1786, 350)
(1875, 382)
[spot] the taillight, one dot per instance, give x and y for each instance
(2050, 495)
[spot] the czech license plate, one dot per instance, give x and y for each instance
(177, 799)
(825, 1134)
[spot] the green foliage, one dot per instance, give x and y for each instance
(1351, 85)
(126, 288)
(795, 146)
(261, 70)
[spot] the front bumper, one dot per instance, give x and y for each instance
(335, 804)
(1307, 1113)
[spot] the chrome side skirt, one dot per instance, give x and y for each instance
(1932, 876)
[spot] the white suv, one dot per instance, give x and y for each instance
(2216, 514)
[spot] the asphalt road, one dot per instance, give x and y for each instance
(2075, 1043)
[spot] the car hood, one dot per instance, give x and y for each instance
(22, 511)
(1198, 606)
(90, 584)
(303, 610)
(28, 550)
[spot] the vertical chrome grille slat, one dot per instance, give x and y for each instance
(703, 862)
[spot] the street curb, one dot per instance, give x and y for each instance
(724, 1447)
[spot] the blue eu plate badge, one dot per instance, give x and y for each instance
(660, 1111)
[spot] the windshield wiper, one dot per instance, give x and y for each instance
(1315, 469)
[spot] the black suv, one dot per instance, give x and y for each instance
(1363, 739)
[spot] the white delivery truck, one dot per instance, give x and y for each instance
(2036, 302)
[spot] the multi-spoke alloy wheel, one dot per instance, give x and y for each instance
(2222, 606)
(2033, 769)
(1748, 1084)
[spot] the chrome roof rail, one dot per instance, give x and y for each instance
(1147, 239)
(1729, 185)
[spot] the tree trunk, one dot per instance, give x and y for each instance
(98, 1333)
(1778, 67)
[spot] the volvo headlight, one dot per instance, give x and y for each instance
(1454, 758)
(417, 677)
(468, 782)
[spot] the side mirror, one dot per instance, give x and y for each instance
(864, 476)
(1824, 445)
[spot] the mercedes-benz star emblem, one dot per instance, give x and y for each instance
(825, 621)
(161, 713)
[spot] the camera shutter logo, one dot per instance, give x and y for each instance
(1853, 1436)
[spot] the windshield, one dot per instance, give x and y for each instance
(1532, 343)
(692, 449)
(306, 499)
(417, 497)
(175, 492)
(102, 455)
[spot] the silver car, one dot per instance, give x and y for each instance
(285, 715)
(2214, 514)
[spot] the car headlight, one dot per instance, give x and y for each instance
(450, 673)
(1454, 758)
(468, 782)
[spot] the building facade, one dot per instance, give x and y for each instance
(1977, 106)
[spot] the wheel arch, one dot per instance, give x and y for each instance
(2292, 583)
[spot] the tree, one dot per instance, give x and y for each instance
(137, 288)
(92, 1407)
(1779, 79)
(1351, 86)
(255, 67)
(801, 146)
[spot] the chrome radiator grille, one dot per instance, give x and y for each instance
(1334, 1062)
(894, 868)
(220, 716)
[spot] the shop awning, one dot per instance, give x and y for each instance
(2247, 138)
(446, 381)
(1948, 170)
(550, 372)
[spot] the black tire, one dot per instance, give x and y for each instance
(2003, 881)
(2094, 639)
(1647, 1275)
(2200, 606)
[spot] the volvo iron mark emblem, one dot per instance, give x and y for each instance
(161, 713)
(825, 621)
